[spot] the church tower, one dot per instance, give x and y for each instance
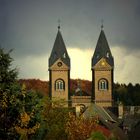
(59, 69)
(102, 72)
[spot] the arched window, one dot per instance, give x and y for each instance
(103, 84)
(59, 85)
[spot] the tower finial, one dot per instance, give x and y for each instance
(102, 24)
(59, 24)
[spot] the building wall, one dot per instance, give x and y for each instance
(59, 73)
(77, 100)
(102, 70)
(103, 94)
(104, 103)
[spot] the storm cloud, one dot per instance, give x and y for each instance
(30, 26)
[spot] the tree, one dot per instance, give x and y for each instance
(8, 75)
(29, 118)
(127, 94)
(55, 116)
(79, 128)
(8, 85)
(18, 108)
(97, 136)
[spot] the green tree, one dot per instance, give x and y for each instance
(8, 90)
(127, 94)
(30, 115)
(8, 75)
(18, 108)
(55, 116)
(97, 136)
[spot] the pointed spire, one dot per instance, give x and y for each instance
(102, 50)
(59, 51)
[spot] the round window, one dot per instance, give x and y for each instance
(59, 64)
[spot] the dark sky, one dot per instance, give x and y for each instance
(30, 26)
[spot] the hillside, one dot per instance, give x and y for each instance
(43, 86)
(127, 94)
(36, 84)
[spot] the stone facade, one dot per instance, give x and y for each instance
(59, 72)
(102, 70)
(102, 73)
(79, 100)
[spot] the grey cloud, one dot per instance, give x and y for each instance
(30, 26)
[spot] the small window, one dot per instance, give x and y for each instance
(59, 85)
(107, 54)
(97, 56)
(64, 55)
(103, 84)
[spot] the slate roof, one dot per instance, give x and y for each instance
(102, 50)
(101, 112)
(106, 119)
(59, 51)
(135, 134)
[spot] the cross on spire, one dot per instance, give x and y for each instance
(102, 24)
(59, 24)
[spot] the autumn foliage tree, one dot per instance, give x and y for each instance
(18, 107)
(37, 85)
(79, 128)
(29, 118)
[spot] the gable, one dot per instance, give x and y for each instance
(102, 65)
(59, 65)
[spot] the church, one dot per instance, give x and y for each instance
(100, 102)
(102, 66)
